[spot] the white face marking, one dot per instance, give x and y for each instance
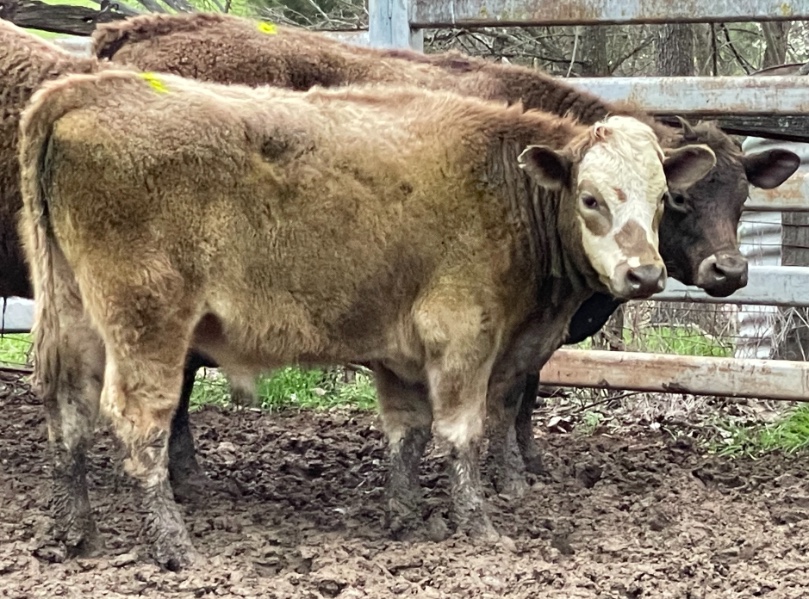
(625, 173)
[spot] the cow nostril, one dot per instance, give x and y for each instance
(719, 272)
(730, 269)
(647, 279)
(634, 279)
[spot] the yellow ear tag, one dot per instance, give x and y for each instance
(155, 83)
(268, 28)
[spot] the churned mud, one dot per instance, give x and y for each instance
(298, 513)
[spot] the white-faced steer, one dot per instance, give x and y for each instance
(264, 227)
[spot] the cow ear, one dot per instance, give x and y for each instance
(767, 170)
(686, 165)
(547, 167)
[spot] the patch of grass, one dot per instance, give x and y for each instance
(14, 348)
(209, 391)
(293, 388)
(590, 421)
(790, 435)
(679, 340)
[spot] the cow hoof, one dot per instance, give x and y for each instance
(403, 520)
(244, 398)
(437, 529)
(478, 527)
(535, 465)
(80, 538)
(62, 543)
(176, 556)
(512, 487)
(479, 532)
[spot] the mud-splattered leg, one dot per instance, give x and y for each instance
(460, 344)
(140, 395)
(70, 387)
(531, 455)
(506, 469)
(406, 417)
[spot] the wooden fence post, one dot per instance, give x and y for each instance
(389, 25)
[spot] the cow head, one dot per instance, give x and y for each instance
(616, 176)
(698, 233)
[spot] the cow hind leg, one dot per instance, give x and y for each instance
(71, 416)
(407, 418)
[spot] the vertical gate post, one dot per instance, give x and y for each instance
(389, 25)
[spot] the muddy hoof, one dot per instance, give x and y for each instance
(478, 528)
(59, 544)
(512, 486)
(535, 465)
(403, 520)
(437, 529)
(244, 399)
(175, 556)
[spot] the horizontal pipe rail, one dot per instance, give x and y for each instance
(529, 13)
(661, 373)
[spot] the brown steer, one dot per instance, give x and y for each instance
(26, 61)
(266, 227)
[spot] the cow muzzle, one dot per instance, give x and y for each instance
(638, 282)
(722, 273)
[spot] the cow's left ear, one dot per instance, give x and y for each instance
(547, 167)
(686, 165)
(767, 170)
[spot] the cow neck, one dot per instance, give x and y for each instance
(554, 251)
(552, 244)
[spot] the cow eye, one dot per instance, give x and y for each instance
(676, 201)
(589, 202)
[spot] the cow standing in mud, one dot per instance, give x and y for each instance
(698, 238)
(26, 61)
(263, 227)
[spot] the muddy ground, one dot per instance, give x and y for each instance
(300, 512)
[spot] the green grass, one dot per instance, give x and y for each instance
(679, 340)
(789, 435)
(293, 388)
(286, 388)
(14, 348)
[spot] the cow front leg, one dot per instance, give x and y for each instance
(406, 418)
(459, 409)
(506, 468)
(140, 396)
